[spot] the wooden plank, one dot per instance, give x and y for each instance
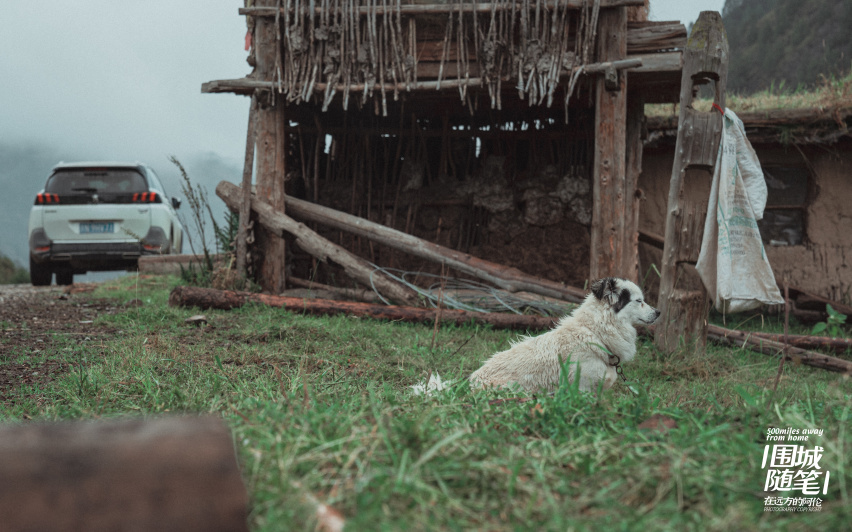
(633, 167)
(467, 7)
(611, 245)
(683, 302)
(168, 474)
(271, 152)
(654, 36)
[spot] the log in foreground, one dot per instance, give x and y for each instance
(205, 298)
(177, 474)
(773, 348)
(317, 246)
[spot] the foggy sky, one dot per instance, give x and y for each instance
(107, 80)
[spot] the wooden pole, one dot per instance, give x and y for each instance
(683, 302)
(277, 223)
(170, 474)
(245, 205)
(612, 230)
(271, 148)
(633, 167)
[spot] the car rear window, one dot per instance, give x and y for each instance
(96, 181)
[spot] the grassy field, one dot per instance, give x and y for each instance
(321, 405)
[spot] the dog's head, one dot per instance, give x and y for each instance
(626, 300)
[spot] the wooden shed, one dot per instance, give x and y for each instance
(509, 130)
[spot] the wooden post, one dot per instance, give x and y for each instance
(173, 473)
(612, 209)
(245, 206)
(633, 167)
(684, 302)
(271, 151)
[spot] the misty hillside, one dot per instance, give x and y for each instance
(794, 41)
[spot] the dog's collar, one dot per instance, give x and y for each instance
(615, 361)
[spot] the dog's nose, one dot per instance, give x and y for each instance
(657, 314)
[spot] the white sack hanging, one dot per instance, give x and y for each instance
(732, 262)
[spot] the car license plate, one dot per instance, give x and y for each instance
(96, 227)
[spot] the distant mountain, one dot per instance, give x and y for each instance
(789, 41)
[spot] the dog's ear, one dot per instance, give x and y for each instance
(605, 290)
(623, 300)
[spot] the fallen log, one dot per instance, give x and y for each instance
(176, 473)
(207, 298)
(505, 277)
(321, 248)
(773, 348)
(355, 294)
(838, 345)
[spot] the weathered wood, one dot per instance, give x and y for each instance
(245, 205)
(507, 278)
(838, 345)
(650, 36)
(355, 294)
(170, 474)
(248, 85)
(773, 348)
(633, 167)
(271, 153)
(278, 223)
(612, 220)
(448, 7)
(205, 298)
(172, 264)
(683, 301)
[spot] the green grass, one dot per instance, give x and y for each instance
(321, 405)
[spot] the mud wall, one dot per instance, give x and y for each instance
(822, 263)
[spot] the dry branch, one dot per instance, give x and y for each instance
(175, 473)
(773, 348)
(206, 298)
(318, 246)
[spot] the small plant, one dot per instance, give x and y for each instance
(833, 325)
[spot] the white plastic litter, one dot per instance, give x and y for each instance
(435, 384)
(732, 262)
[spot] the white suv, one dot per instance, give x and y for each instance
(99, 216)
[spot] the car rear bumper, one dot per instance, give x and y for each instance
(93, 257)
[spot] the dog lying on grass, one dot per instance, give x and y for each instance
(593, 340)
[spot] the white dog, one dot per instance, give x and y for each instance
(594, 339)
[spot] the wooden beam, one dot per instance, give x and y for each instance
(172, 473)
(277, 223)
(633, 167)
(611, 238)
(245, 206)
(271, 152)
(423, 9)
(683, 301)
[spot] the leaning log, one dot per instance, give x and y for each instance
(505, 277)
(207, 298)
(773, 348)
(177, 474)
(321, 248)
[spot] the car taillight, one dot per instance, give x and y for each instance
(43, 198)
(146, 197)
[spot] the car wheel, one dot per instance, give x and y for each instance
(64, 277)
(40, 274)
